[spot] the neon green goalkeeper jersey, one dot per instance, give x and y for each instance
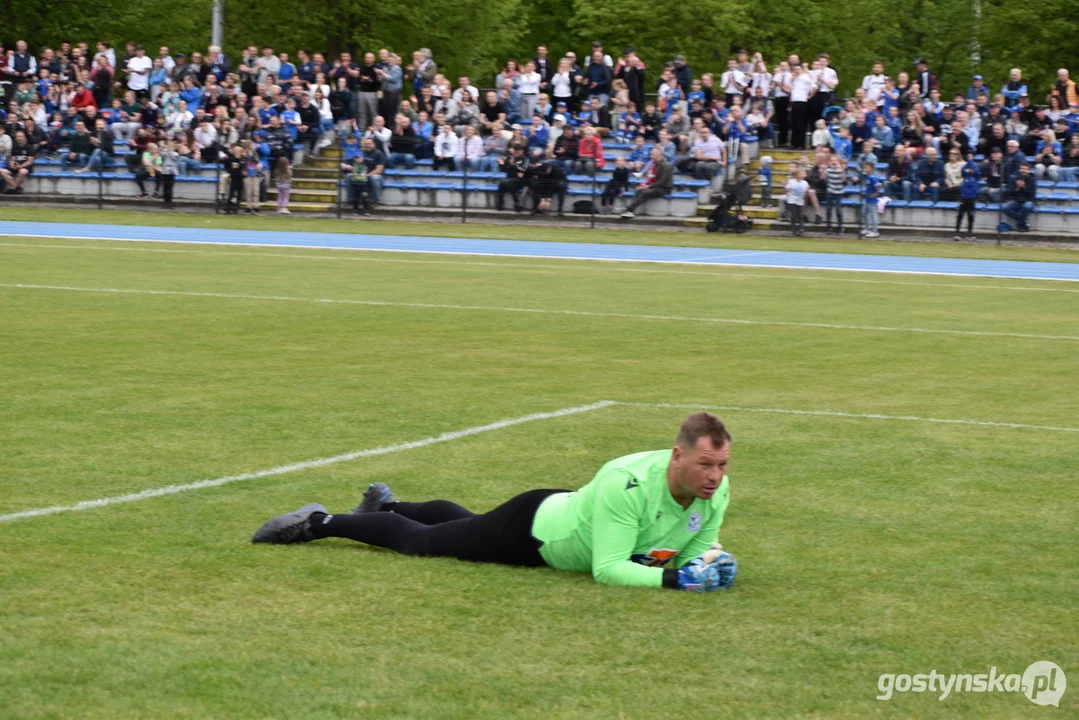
(625, 526)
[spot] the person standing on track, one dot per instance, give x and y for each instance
(649, 519)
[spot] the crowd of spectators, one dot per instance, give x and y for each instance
(542, 118)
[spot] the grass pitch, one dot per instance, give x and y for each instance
(866, 546)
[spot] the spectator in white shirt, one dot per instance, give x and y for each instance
(528, 85)
(562, 83)
(874, 84)
(447, 148)
(380, 134)
(463, 84)
(781, 95)
(470, 150)
(733, 82)
(269, 67)
(803, 86)
(138, 72)
(179, 122)
(206, 134)
(166, 60)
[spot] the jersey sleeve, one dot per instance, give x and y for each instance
(615, 521)
(709, 531)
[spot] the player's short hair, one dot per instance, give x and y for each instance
(702, 424)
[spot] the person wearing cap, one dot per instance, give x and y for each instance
(682, 73)
(977, 87)
(926, 80)
(1014, 89)
(138, 72)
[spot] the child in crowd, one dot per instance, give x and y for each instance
(234, 167)
(651, 122)
(640, 155)
(283, 176)
(871, 186)
(968, 193)
(616, 185)
(821, 135)
(843, 145)
(764, 177)
(252, 171)
(836, 175)
(797, 188)
(170, 166)
(148, 168)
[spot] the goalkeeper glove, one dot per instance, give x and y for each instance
(712, 570)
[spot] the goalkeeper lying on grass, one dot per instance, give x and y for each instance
(639, 513)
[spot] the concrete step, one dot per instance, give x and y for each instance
(316, 183)
(307, 171)
(306, 196)
(296, 207)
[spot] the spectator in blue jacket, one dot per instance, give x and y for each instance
(930, 175)
(1014, 89)
(968, 193)
(537, 134)
(977, 87)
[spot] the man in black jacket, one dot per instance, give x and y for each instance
(515, 166)
(546, 69)
(1022, 191)
(78, 148)
(992, 171)
(630, 70)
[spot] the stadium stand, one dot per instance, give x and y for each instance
(269, 131)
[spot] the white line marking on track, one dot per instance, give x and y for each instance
(605, 266)
(539, 311)
(306, 465)
(477, 253)
(862, 416)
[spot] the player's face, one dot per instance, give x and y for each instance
(702, 468)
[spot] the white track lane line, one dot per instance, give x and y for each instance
(860, 416)
(541, 311)
(604, 266)
(306, 465)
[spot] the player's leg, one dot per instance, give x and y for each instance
(503, 535)
(379, 498)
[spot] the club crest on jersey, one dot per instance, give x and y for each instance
(694, 523)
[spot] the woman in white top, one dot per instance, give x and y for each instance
(528, 84)
(470, 150)
(761, 79)
(179, 122)
(562, 83)
(321, 84)
(446, 147)
(325, 113)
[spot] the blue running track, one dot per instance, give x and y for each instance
(551, 250)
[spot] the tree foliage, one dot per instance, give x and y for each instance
(476, 36)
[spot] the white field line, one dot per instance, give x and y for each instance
(540, 311)
(604, 266)
(457, 434)
(477, 253)
(861, 416)
(306, 465)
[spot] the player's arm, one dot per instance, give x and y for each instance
(615, 520)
